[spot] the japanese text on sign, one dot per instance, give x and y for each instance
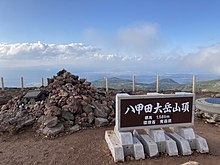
(167, 108)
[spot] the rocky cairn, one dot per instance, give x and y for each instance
(71, 103)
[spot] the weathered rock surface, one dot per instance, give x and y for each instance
(100, 122)
(53, 130)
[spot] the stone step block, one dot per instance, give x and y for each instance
(114, 145)
(124, 137)
(182, 144)
(138, 149)
(159, 137)
(150, 147)
(188, 134)
(171, 147)
(201, 144)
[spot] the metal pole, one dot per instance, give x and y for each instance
(158, 83)
(133, 82)
(106, 84)
(194, 84)
(42, 82)
(22, 83)
(3, 86)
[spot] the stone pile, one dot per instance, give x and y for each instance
(71, 103)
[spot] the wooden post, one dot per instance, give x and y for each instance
(42, 82)
(194, 84)
(158, 84)
(22, 83)
(3, 86)
(133, 82)
(106, 85)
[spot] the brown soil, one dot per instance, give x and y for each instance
(89, 147)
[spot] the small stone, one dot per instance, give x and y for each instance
(191, 163)
(101, 110)
(100, 122)
(50, 121)
(210, 121)
(67, 115)
(91, 117)
(206, 115)
(75, 128)
(216, 117)
(53, 111)
(54, 130)
(87, 108)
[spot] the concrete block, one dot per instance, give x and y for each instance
(201, 144)
(150, 147)
(124, 137)
(114, 146)
(156, 134)
(128, 150)
(188, 134)
(182, 144)
(138, 149)
(171, 147)
(159, 137)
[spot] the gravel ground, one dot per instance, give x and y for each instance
(89, 147)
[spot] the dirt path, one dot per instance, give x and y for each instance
(89, 147)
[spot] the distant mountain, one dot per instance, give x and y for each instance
(117, 83)
(204, 86)
(165, 84)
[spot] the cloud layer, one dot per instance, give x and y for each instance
(206, 59)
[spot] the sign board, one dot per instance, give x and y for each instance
(154, 111)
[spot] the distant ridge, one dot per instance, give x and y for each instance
(118, 83)
(165, 84)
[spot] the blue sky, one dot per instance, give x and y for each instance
(97, 36)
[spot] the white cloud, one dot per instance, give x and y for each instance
(38, 54)
(205, 60)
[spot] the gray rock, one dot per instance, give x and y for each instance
(53, 130)
(191, 163)
(216, 117)
(101, 110)
(50, 121)
(206, 115)
(53, 111)
(75, 128)
(87, 108)
(67, 115)
(29, 121)
(91, 117)
(210, 121)
(100, 122)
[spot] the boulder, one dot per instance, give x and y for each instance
(101, 110)
(91, 117)
(100, 122)
(74, 128)
(49, 121)
(53, 130)
(67, 115)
